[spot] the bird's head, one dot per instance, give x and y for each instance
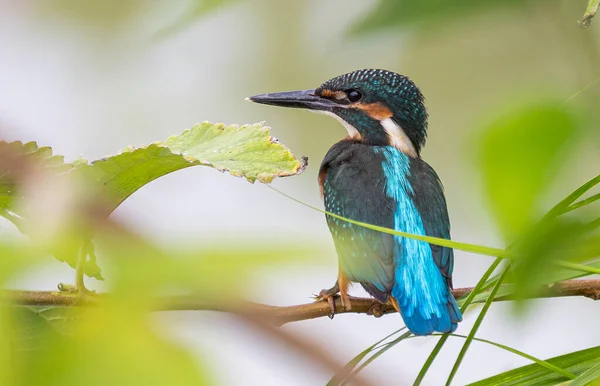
(377, 107)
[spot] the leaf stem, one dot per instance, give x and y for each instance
(80, 267)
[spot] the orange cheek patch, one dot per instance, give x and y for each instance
(327, 93)
(376, 110)
(333, 94)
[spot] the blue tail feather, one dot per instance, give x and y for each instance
(425, 319)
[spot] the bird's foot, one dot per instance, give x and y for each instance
(329, 296)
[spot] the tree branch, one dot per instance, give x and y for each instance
(280, 315)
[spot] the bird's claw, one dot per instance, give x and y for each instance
(329, 295)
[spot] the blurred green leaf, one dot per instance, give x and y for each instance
(197, 10)
(244, 151)
(535, 375)
(32, 324)
(520, 152)
(110, 346)
(19, 162)
(401, 13)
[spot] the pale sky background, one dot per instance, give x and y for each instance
(90, 89)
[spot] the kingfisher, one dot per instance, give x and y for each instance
(376, 175)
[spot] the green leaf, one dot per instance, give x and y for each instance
(476, 326)
(464, 303)
(402, 13)
(591, 375)
(351, 365)
(18, 162)
(540, 362)
(197, 9)
(244, 151)
(576, 362)
(520, 152)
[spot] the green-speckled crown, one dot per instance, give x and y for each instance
(395, 91)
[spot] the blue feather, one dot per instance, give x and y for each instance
(422, 292)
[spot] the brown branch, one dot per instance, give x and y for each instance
(280, 315)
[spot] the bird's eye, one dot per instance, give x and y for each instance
(354, 95)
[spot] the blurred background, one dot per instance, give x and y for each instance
(90, 78)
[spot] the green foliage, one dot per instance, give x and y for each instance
(402, 13)
(520, 153)
(576, 362)
(245, 151)
(16, 160)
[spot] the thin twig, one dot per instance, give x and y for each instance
(280, 315)
(590, 12)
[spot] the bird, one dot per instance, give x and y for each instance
(376, 175)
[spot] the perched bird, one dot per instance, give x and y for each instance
(376, 175)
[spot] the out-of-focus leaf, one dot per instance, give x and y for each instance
(18, 163)
(197, 10)
(244, 151)
(519, 154)
(110, 346)
(539, 249)
(111, 16)
(32, 324)
(22, 166)
(400, 13)
(535, 375)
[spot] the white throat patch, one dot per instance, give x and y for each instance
(352, 132)
(398, 137)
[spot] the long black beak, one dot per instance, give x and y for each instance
(305, 99)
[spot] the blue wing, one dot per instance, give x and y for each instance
(382, 186)
(423, 272)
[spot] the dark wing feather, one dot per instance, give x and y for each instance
(354, 187)
(433, 211)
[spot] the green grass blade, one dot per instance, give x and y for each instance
(383, 349)
(478, 322)
(474, 248)
(582, 203)
(540, 362)
(467, 302)
(334, 381)
(587, 377)
(578, 267)
(559, 208)
(577, 363)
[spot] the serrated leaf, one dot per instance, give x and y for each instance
(244, 151)
(22, 163)
(535, 375)
(17, 160)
